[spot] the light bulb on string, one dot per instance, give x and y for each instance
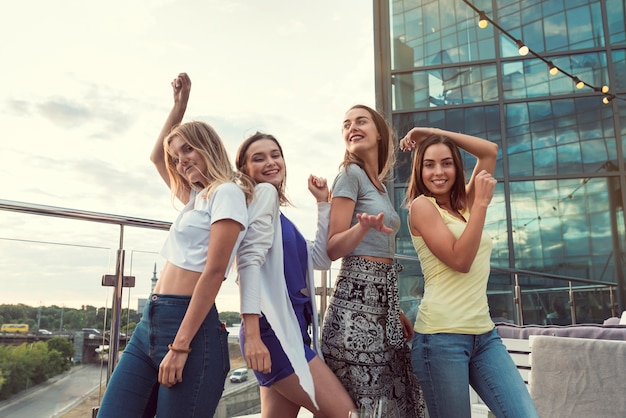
(482, 20)
(579, 83)
(552, 68)
(605, 89)
(522, 49)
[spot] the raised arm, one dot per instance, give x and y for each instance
(181, 86)
(319, 189)
(486, 152)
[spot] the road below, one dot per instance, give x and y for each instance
(56, 396)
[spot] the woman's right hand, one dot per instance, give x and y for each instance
(257, 355)
(182, 87)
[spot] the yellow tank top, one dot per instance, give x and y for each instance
(453, 302)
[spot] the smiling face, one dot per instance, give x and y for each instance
(438, 170)
(189, 163)
(264, 162)
(359, 132)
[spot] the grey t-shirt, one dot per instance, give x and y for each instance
(354, 184)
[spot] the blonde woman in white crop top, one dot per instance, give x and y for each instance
(455, 343)
(177, 360)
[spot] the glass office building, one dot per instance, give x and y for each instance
(557, 218)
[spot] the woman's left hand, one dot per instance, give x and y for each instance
(407, 327)
(318, 186)
(171, 368)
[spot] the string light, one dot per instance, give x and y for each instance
(483, 22)
(578, 82)
(607, 99)
(552, 69)
(523, 49)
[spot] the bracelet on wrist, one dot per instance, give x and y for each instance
(178, 349)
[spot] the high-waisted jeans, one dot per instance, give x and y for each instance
(134, 391)
(447, 364)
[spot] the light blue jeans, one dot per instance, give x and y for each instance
(134, 391)
(447, 364)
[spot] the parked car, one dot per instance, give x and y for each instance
(239, 375)
(91, 333)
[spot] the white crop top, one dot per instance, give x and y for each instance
(188, 240)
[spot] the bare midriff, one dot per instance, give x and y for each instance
(377, 259)
(176, 281)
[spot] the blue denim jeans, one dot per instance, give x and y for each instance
(447, 364)
(134, 391)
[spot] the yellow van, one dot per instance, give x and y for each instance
(15, 328)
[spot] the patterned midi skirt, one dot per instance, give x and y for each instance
(362, 340)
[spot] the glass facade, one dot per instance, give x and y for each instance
(557, 216)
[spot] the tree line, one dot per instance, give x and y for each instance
(63, 319)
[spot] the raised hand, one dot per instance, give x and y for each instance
(182, 87)
(318, 187)
(484, 187)
(414, 137)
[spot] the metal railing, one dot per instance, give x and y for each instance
(571, 285)
(118, 280)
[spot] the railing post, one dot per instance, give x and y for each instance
(323, 297)
(572, 303)
(116, 312)
(517, 299)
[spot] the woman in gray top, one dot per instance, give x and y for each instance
(364, 333)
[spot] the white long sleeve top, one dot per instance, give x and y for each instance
(262, 284)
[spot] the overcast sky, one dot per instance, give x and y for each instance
(85, 89)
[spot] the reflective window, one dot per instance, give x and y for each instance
(619, 67)
(564, 226)
(616, 12)
(560, 137)
(530, 77)
(550, 25)
(438, 32)
(445, 86)
(558, 206)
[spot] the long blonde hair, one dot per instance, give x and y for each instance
(204, 139)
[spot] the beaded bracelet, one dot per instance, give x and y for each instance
(178, 350)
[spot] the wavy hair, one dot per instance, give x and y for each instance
(386, 154)
(458, 195)
(204, 139)
(242, 157)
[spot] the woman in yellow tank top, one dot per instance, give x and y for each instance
(455, 344)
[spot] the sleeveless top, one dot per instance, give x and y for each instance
(453, 302)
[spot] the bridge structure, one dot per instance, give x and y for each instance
(85, 345)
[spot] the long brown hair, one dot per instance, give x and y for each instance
(242, 157)
(386, 154)
(458, 195)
